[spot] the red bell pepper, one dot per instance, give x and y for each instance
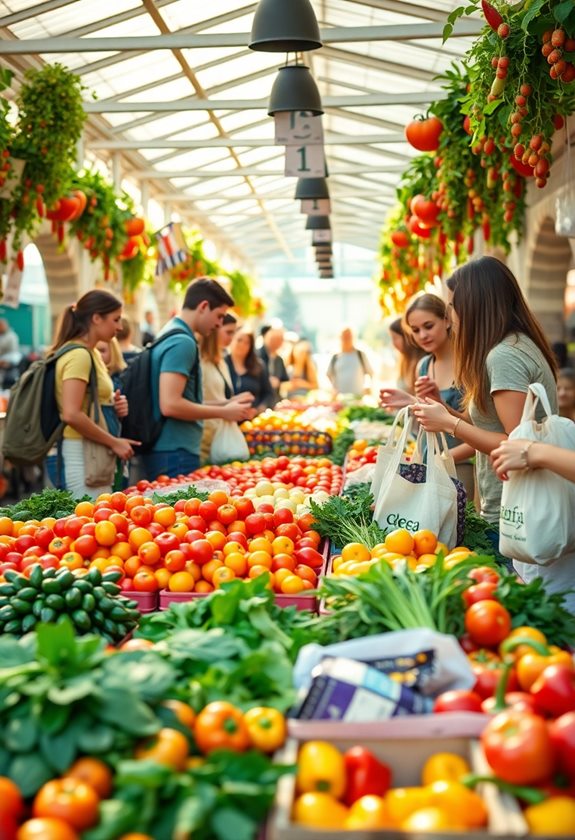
(491, 15)
(365, 775)
(554, 690)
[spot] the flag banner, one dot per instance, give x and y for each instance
(172, 249)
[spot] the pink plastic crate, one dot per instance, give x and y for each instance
(147, 601)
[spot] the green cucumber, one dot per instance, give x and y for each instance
(21, 607)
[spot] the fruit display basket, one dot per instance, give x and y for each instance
(288, 442)
(147, 601)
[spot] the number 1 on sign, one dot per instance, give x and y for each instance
(305, 161)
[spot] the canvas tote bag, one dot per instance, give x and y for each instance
(431, 504)
(536, 523)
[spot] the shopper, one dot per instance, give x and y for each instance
(301, 369)
(248, 372)
(426, 324)
(177, 394)
(112, 356)
(148, 328)
(94, 318)
(129, 350)
(409, 356)
(566, 393)
(347, 370)
(216, 379)
(500, 350)
(273, 339)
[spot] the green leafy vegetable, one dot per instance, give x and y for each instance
(365, 412)
(340, 446)
(349, 518)
(531, 605)
(58, 503)
(171, 498)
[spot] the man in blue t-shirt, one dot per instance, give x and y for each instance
(177, 383)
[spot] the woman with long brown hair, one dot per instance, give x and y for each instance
(93, 318)
(248, 371)
(301, 369)
(216, 381)
(500, 350)
(409, 355)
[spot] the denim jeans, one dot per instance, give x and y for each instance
(174, 463)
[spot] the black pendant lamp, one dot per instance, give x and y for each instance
(326, 275)
(323, 248)
(294, 89)
(318, 223)
(311, 189)
(284, 26)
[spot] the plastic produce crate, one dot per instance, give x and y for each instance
(290, 442)
(404, 744)
(147, 601)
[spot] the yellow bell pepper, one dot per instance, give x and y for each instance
(321, 767)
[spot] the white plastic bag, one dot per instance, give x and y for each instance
(432, 505)
(228, 444)
(536, 522)
(386, 451)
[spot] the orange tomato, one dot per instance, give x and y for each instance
(165, 516)
(184, 713)
(399, 541)
(259, 558)
(237, 562)
(218, 497)
(355, 551)
(222, 575)
(204, 587)
(122, 549)
(84, 509)
(169, 747)
(424, 542)
(216, 539)
(283, 561)
(283, 545)
(6, 526)
(291, 585)
(260, 544)
(46, 828)
(163, 577)
(145, 581)
(131, 565)
(93, 772)
(139, 536)
(210, 567)
(256, 571)
(11, 800)
(181, 582)
(233, 546)
(105, 533)
(149, 553)
(68, 799)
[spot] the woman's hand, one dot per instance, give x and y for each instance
(236, 411)
(123, 448)
(433, 416)
(394, 398)
(120, 404)
(243, 397)
(426, 387)
(508, 456)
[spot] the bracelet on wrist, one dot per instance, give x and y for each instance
(457, 422)
(525, 453)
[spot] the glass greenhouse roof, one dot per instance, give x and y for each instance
(213, 161)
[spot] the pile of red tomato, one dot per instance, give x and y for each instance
(308, 473)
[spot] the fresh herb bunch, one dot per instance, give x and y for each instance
(189, 493)
(349, 518)
(476, 536)
(340, 446)
(365, 412)
(385, 599)
(57, 503)
(531, 605)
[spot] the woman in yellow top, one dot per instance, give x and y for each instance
(95, 317)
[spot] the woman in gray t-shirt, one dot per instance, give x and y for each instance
(500, 350)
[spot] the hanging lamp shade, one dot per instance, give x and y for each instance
(294, 89)
(284, 26)
(318, 223)
(326, 275)
(311, 188)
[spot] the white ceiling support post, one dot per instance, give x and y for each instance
(117, 170)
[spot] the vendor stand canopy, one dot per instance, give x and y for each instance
(181, 105)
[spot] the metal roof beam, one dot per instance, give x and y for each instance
(369, 100)
(369, 61)
(104, 23)
(374, 195)
(254, 171)
(329, 140)
(34, 11)
(183, 41)
(409, 9)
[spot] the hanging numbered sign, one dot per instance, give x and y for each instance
(292, 128)
(305, 162)
(316, 206)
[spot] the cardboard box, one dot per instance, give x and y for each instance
(406, 755)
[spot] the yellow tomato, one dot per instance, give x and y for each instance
(404, 801)
(368, 812)
(555, 815)
(444, 767)
(319, 810)
(429, 819)
(320, 767)
(463, 806)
